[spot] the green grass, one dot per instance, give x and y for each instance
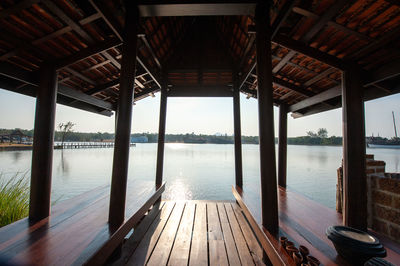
(14, 198)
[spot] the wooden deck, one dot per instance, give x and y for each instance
(304, 222)
(193, 233)
(77, 231)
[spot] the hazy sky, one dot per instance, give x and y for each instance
(198, 115)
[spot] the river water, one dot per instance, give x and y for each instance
(193, 171)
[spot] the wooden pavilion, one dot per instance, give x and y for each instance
(101, 56)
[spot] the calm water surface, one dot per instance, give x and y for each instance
(194, 171)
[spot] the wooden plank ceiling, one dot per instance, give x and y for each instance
(313, 41)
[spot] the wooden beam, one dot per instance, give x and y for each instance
(79, 75)
(145, 93)
(108, 17)
(302, 48)
(151, 74)
(43, 142)
(282, 145)
(123, 133)
(17, 8)
(116, 28)
(380, 43)
(282, 16)
(17, 73)
(146, 43)
(269, 200)
(331, 23)
(354, 175)
(327, 16)
(318, 77)
(387, 71)
(195, 8)
(290, 86)
(45, 38)
(80, 96)
(319, 98)
(70, 22)
(161, 134)
(87, 52)
(27, 77)
(200, 91)
(237, 134)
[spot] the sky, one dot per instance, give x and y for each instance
(199, 115)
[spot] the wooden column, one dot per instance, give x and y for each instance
(269, 201)
(161, 134)
(237, 134)
(124, 117)
(354, 176)
(43, 142)
(282, 146)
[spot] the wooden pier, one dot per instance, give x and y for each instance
(86, 145)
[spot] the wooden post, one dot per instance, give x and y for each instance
(238, 134)
(161, 134)
(282, 146)
(43, 144)
(124, 117)
(354, 176)
(269, 201)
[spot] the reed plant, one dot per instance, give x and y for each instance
(14, 198)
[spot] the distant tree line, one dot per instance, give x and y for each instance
(312, 138)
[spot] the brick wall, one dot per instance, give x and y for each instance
(383, 199)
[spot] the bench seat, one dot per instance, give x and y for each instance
(77, 230)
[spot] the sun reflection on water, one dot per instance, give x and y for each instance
(178, 190)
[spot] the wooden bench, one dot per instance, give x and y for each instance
(304, 222)
(271, 245)
(77, 231)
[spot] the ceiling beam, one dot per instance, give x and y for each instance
(380, 43)
(290, 86)
(318, 77)
(314, 53)
(103, 87)
(331, 23)
(195, 8)
(17, 8)
(145, 93)
(45, 38)
(108, 17)
(110, 20)
(387, 71)
(146, 43)
(320, 97)
(282, 16)
(277, 24)
(82, 97)
(31, 79)
(87, 52)
(200, 91)
(322, 21)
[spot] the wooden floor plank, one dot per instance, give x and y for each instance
(243, 249)
(165, 243)
(181, 250)
(231, 249)
(255, 248)
(217, 249)
(131, 244)
(147, 243)
(198, 250)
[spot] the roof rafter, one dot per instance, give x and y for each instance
(31, 79)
